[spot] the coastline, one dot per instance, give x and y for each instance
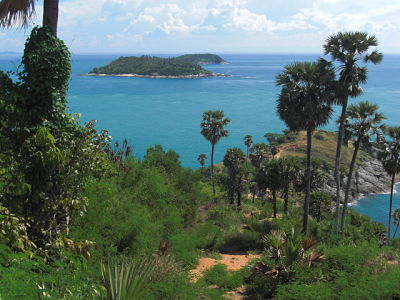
(159, 76)
(362, 196)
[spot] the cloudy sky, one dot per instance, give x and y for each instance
(222, 26)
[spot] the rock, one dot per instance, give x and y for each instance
(369, 178)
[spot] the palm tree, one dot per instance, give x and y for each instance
(233, 160)
(258, 153)
(20, 12)
(202, 160)
(213, 129)
(269, 177)
(348, 49)
(290, 170)
(391, 163)
(304, 103)
(248, 141)
(363, 121)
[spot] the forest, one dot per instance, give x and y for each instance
(82, 218)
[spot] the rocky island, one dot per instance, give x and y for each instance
(153, 67)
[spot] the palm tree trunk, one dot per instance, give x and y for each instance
(274, 202)
(308, 182)
(212, 168)
(348, 185)
(286, 199)
(397, 227)
(391, 200)
(239, 192)
(50, 15)
(337, 164)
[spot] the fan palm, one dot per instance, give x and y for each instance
(248, 141)
(202, 160)
(233, 160)
(391, 163)
(213, 129)
(304, 103)
(20, 13)
(348, 49)
(363, 121)
(269, 177)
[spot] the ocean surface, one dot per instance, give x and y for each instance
(169, 111)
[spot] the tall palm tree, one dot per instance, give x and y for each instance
(362, 121)
(391, 162)
(248, 141)
(233, 160)
(202, 160)
(213, 129)
(348, 49)
(258, 153)
(20, 13)
(304, 103)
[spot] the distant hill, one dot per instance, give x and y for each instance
(152, 67)
(206, 58)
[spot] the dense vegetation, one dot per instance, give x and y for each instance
(151, 66)
(206, 58)
(81, 218)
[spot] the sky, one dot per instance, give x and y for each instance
(218, 26)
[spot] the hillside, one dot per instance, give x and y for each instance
(151, 66)
(370, 177)
(203, 59)
(323, 147)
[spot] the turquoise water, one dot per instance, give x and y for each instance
(377, 207)
(168, 111)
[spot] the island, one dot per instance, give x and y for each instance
(152, 67)
(203, 59)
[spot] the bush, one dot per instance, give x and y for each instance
(219, 276)
(317, 291)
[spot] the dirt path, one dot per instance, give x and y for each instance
(233, 262)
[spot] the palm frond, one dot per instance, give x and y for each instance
(16, 12)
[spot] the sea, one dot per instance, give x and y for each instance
(169, 111)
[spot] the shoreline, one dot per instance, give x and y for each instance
(362, 196)
(159, 76)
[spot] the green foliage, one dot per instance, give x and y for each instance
(151, 65)
(219, 276)
(317, 291)
(206, 58)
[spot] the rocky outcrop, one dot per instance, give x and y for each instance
(369, 178)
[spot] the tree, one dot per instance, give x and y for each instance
(363, 121)
(233, 160)
(391, 163)
(213, 129)
(21, 12)
(248, 141)
(396, 217)
(304, 103)
(320, 203)
(290, 171)
(348, 49)
(202, 160)
(269, 177)
(258, 153)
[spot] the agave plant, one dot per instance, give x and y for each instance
(127, 280)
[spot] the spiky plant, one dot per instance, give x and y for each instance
(127, 279)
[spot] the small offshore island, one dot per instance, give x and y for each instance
(185, 66)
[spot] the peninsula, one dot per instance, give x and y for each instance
(152, 67)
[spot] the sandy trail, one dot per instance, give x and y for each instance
(233, 262)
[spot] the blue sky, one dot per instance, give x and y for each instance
(221, 26)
